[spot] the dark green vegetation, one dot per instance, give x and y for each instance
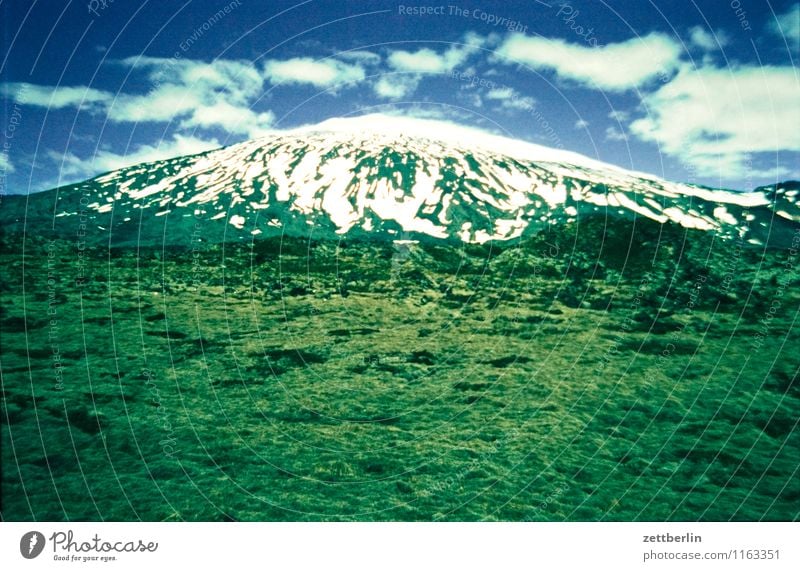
(617, 372)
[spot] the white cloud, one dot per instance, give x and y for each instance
(707, 41)
(71, 166)
(239, 80)
(237, 120)
(581, 124)
(426, 60)
(203, 94)
(55, 97)
(615, 67)
(615, 134)
(472, 98)
(618, 115)
(319, 73)
(179, 86)
(414, 122)
(452, 115)
(421, 61)
(417, 63)
(361, 56)
(5, 164)
(396, 85)
(511, 99)
(501, 93)
(165, 103)
(521, 103)
(787, 25)
(714, 118)
(196, 93)
(736, 168)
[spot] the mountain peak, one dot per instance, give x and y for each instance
(452, 134)
(389, 177)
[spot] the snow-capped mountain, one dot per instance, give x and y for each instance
(390, 177)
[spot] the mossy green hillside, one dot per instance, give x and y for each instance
(594, 372)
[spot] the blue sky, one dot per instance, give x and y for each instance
(698, 91)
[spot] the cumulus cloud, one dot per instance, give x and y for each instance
(55, 97)
(707, 41)
(215, 94)
(165, 103)
(615, 134)
(614, 67)
(618, 115)
(5, 164)
(237, 120)
(319, 73)
(178, 88)
(510, 99)
(713, 119)
(413, 65)
(426, 60)
(239, 80)
(501, 93)
(710, 118)
(196, 93)
(364, 57)
(787, 25)
(396, 86)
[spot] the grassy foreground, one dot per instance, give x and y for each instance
(626, 372)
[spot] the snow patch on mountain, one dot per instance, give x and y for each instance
(378, 173)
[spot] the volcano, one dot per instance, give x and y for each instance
(387, 178)
(375, 319)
